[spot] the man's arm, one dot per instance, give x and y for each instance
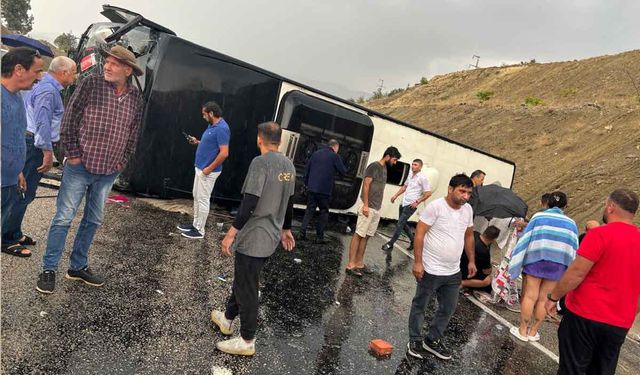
(398, 193)
(576, 272)
(469, 250)
(43, 103)
(365, 194)
(422, 198)
(418, 242)
(70, 127)
(223, 154)
(247, 206)
(307, 169)
(133, 136)
(339, 165)
(573, 277)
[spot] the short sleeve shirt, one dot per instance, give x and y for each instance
(271, 178)
(483, 258)
(209, 147)
(378, 173)
(417, 184)
(444, 241)
(609, 293)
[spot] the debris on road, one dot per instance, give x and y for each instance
(380, 348)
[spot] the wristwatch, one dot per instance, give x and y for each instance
(551, 299)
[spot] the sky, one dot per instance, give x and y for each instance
(350, 47)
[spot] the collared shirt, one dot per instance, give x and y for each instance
(417, 184)
(44, 111)
(14, 124)
(100, 127)
(209, 147)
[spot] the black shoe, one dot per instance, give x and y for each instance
(86, 276)
(353, 272)
(387, 247)
(437, 348)
(46, 282)
(185, 227)
(415, 349)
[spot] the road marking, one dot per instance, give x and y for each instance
(486, 309)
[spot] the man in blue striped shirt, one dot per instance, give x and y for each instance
(44, 114)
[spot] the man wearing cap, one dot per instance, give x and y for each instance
(99, 133)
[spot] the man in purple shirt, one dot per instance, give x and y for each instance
(44, 114)
(99, 133)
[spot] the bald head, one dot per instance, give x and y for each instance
(590, 224)
(63, 69)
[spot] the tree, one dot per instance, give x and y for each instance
(16, 14)
(66, 41)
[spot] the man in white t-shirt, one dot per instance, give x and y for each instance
(416, 190)
(444, 229)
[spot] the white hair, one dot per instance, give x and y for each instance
(61, 64)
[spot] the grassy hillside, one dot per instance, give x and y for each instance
(572, 126)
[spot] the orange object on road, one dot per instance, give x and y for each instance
(380, 347)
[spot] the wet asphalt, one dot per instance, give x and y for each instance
(152, 315)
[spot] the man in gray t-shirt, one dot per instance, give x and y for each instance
(263, 220)
(375, 179)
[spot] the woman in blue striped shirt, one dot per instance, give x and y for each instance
(543, 253)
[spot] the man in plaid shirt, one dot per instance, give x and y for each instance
(99, 132)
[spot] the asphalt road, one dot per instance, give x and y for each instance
(152, 315)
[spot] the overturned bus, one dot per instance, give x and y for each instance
(179, 76)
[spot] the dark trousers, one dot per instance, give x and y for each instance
(403, 217)
(32, 176)
(446, 289)
(322, 202)
(244, 294)
(587, 346)
(9, 198)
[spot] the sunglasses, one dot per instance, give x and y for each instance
(36, 53)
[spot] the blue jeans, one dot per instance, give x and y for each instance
(447, 289)
(31, 175)
(76, 183)
(9, 198)
(403, 217)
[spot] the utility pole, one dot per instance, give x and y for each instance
(477, 58)
(380, 85)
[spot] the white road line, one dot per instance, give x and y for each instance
(486, 309)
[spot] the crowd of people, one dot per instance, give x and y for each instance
(592, 278)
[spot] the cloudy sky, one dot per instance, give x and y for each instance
(348, 46)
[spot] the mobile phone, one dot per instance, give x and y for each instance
(187, 136)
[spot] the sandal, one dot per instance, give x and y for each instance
(353, 272)
(28, 241)
(16, 250)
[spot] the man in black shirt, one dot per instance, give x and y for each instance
(482, 279)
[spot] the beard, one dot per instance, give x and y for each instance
(388, 164)
(604, 219)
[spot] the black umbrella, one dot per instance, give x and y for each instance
(497, 201)
(15, 40)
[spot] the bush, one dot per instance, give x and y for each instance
(424, 81)
(378, 94)
(395, 91)
(484, 95)
(532, 101)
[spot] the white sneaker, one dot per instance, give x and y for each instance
(535, 337)
(218, 318)
(515, 331)
(237, 346)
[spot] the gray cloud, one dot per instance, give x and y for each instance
(355, 43)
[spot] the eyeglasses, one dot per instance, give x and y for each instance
(36, 53)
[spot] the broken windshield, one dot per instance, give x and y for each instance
(140, 40)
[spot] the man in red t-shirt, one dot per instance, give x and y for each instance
(602, 286)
